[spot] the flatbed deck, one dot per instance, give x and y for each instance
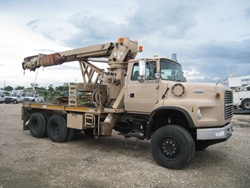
(83, 108)
(64, 107)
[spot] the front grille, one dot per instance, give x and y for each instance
(8, 99)
(26, 100)
(228, 104)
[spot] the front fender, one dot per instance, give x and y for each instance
(166, 108)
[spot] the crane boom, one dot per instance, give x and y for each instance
(117, 53)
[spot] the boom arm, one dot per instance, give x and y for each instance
(118, 53)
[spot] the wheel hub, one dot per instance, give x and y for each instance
(169, 148)
(55, 129)
(247, 105)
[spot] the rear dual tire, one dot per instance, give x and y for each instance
(57, 129)
(41, 125)
(37, 125)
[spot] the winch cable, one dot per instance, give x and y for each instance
(33, 84)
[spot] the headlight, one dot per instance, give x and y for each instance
(199, 113)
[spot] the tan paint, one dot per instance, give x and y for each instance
(75, 121)
(114, 92)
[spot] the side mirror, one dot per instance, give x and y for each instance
(157, 75)
(142, 70)
(141, 79)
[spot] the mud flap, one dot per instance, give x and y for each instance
(25, 124)
(107, 126)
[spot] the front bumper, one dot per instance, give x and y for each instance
(9, 100)
(221, 133)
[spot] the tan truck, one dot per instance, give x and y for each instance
(145, 98)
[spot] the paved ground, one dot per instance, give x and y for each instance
(105, 162)
(242, 120)
(240, 111)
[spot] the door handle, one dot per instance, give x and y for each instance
(132, 95)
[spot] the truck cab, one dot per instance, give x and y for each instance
(13, 99)
(33, 98)
(156, 88)
(147, 81)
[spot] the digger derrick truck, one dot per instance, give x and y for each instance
(145, 98)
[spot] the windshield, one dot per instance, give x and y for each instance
(171, 70)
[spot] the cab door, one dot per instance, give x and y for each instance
(141, 96)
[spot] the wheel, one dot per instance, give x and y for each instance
(245, 104)
(199, 145)
(172, 147)
(89, 132)
(46, 116)
(15, 102)
(37, 125)
(57, 129)
(71, 133)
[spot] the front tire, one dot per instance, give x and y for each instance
(172, 147)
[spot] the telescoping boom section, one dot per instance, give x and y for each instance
(117, 53)
(95, 80)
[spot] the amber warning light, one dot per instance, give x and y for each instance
(140, 48)
(217, 95)
(121, 40)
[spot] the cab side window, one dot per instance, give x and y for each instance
(135, 72)
(150, 71)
